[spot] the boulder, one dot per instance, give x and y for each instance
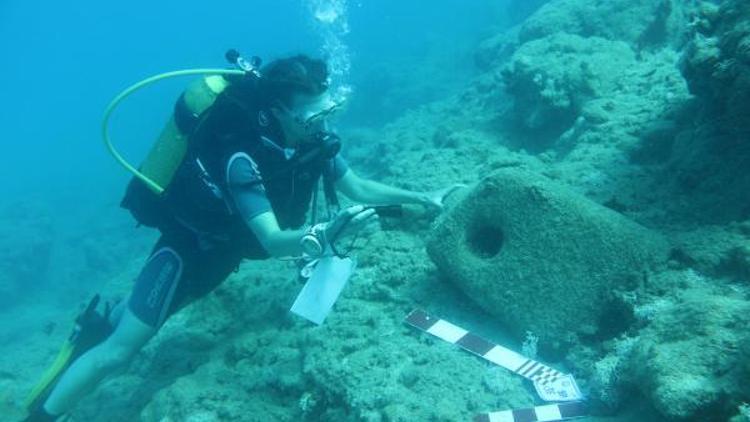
(691, 361)
(641, 23)
(716, 63)
(552, 78)
(710, 161)
(543, 258)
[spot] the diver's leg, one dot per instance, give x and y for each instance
(118, 310)
(149, 305)
(88, 370)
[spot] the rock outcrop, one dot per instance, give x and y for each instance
(542, 258)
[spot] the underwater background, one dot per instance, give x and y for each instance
(605, 229)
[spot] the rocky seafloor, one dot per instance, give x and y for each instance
(636, 106)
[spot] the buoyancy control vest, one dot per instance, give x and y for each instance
(237, 123)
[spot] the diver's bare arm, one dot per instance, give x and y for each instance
(372, 192)
(275, 241)
(280, 243)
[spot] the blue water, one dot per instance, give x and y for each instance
(64, 61)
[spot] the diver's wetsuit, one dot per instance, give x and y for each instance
(186, 263)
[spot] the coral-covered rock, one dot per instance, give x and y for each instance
(542, 258)
(691, 361)
(715, 250)
(716, 63)
(364, 366)
(494, 50)
(638, 22)
(553, 77)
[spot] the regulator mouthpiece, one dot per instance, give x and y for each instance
(330, 144)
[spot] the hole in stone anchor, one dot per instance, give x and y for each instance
(485, 240)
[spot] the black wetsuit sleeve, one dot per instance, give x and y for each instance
(246, 189)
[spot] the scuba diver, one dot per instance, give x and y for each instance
(233, 176)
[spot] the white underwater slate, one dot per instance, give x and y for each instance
(322, 289)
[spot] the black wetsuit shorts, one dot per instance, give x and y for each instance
(181, 268)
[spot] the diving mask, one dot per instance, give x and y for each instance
(314, 114)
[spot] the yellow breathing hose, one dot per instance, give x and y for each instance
(135, 87)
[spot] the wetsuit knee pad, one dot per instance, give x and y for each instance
(155, 287)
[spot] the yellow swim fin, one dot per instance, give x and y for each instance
(90, 329)
(41, 390)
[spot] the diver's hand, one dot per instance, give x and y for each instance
(436, 199)
(351, 221)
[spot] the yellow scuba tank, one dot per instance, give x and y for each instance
(168, 151)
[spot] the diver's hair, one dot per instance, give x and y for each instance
(284, 78)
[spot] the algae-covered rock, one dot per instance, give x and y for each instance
(213, 394)
(638, 22)
(716, 63)
(720, 251)
(691, 361)
(495, 49)
(551, 78)
(542, 258)
(378, 369)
